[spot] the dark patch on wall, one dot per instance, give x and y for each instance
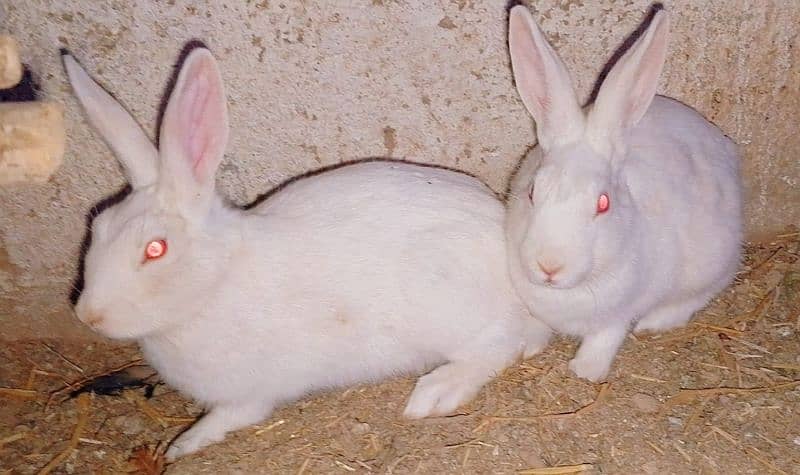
(6, 266)
(26, 91)
(447, 23)
(389, 139)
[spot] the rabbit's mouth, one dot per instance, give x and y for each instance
(554, 280)
(540, 280)
(550, 284)
(547, 273)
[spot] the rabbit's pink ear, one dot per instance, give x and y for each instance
(630, 86)
(543, 82)
(194, 131)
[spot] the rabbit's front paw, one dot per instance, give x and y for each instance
(441, 391)
(593, 369)
(537, 335)
(597, 352)
(212, 427)
(191, 441)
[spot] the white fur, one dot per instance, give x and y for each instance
(352, 275)
(672, 237)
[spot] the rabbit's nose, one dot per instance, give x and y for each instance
(549, 269)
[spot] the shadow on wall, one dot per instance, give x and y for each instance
(27, 90)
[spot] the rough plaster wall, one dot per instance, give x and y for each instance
(314, 83)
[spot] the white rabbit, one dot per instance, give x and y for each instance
(626, 213)
(364, 272)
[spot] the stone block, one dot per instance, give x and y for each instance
(31, 141)
(10, 64)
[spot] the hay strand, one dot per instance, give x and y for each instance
(688, 395)
(602, 396)
(717, 328)
(18, 393)
(63, 358)
(84, 404)
(559, 470)
(13, 438)
(148, 410)
(752, 452)
(303, 467)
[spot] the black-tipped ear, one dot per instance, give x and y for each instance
(194, 130)
(629, 87)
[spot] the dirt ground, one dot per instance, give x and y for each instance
(719, 396)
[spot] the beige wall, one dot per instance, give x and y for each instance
(313, 83)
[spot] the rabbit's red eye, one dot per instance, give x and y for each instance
(155, 249)
(603, 203)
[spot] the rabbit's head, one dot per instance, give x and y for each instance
(570, 213)
(154, 255)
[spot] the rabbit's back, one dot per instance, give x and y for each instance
(683, 173)
(679, 160)
(389, 221)
(374, 187)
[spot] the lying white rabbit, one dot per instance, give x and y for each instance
(626, 213)
(364, 272)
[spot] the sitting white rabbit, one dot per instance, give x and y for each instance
(628, 212)
(352, 275)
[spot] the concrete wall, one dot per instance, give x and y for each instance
(314, 83)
